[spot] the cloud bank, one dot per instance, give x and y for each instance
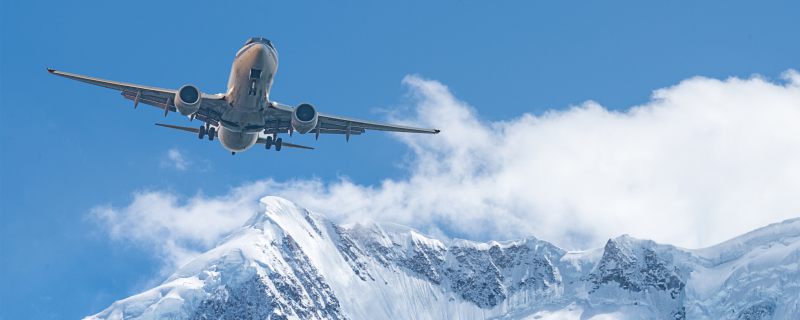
(702, 161)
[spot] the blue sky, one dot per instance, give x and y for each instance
(67, 148)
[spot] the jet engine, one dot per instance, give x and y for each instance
(187, 99)
(304, 118)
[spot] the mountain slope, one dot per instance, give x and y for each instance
(288, 263)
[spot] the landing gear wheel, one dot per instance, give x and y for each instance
(212, 133)
(201, 133)
(278, 144)
(270, 141)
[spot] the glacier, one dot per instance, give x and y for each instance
(289, 263)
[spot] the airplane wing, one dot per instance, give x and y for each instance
(211, 109)
(331, 124)
(259, 141)
(214, 105)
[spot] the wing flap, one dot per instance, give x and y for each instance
(355, 132)
(284, 126)
(326, 128)
(343, 123)
(152, 100)
(338, 124)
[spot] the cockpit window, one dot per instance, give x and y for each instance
(250, 42)
(259, 40)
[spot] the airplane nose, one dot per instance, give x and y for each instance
(259, 53)
(260, 49)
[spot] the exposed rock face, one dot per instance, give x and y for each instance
(288, 263)
(642, 268)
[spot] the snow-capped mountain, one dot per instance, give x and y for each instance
(289, 263)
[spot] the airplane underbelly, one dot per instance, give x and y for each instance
(237, 141)
(243, 120)
(246, 91)
(247, 112)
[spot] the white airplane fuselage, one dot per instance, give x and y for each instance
(251, 78)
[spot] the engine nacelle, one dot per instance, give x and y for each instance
(187, 100)
(304, 118)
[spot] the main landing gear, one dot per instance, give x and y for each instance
(272, 140)
(207, 130)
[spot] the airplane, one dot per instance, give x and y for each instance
(241, 114)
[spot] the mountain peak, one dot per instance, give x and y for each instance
(289, 263)
(273, 207)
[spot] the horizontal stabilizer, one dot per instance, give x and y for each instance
(286, 144)
(259, 141)
(187, 129)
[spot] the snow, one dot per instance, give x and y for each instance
(762, 266)
(788, 230)
(173, 298)
(289, 262)
(574, 311)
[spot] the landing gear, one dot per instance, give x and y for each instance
(212, 132)
(270, 141)
(207, 130)
(278, 142)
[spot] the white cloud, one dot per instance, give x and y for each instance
(703, 161)
(175, 159)
(179, 228)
